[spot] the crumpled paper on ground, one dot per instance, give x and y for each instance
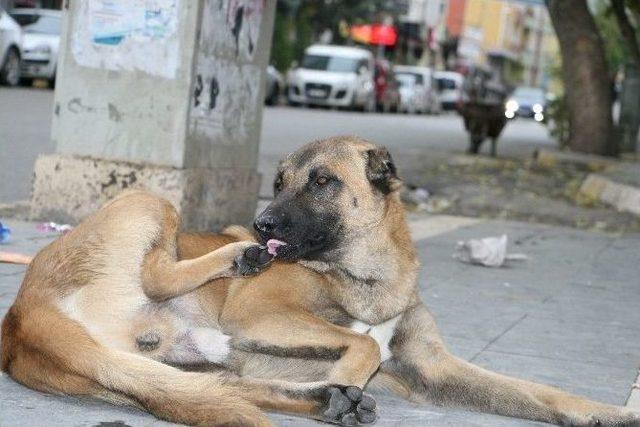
(489, 251)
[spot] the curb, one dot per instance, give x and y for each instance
(633, 402)
(550, 158)
(623, 197)
(20, 210)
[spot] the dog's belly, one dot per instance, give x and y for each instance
(382, 333)
(190, 339)
(106, 313)
(198, 345)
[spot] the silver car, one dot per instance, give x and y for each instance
(41, 42)
(10, 49)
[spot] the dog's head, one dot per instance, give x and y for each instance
(326, 194)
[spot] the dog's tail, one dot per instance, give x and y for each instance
(49, 352)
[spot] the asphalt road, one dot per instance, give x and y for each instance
(25, 124)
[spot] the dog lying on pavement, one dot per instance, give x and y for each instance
(111, 308)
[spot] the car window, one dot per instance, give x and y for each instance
(338, 64)
(407, 79)
(529, 94)
(446, 84)
(38, 24)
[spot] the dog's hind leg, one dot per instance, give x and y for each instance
(423, 366)
(165, 277)
(47, 351)
(299, 334)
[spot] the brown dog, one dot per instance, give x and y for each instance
(104, 306)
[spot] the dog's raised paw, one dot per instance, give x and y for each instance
(348, 406)
(253, 260)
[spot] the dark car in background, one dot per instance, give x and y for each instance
(528, 102)
(274, 85)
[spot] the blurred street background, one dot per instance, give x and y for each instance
(433, 80)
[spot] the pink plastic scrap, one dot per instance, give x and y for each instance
(52, 227)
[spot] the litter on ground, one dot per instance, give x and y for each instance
(489, 251)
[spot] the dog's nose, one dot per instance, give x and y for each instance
(265, 223)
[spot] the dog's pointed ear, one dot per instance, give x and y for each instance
(381, 171)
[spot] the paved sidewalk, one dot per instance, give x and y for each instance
(567, 317)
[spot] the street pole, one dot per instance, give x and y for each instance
(166, 98)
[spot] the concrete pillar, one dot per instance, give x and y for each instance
(167, 98)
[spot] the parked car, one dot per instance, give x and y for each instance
(41, 42)
(336, 76)
(449, 89)
(274, 86)
(525, 101)
(418, 91)
(387, 88)
(10, 49)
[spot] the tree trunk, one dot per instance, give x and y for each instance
(586, 78)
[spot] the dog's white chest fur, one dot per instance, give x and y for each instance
(382, 333)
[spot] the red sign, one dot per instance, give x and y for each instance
(376, 34)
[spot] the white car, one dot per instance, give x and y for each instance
(450, 88)
(418, 92)
(41, 42)
(335, 76)
(10, 49)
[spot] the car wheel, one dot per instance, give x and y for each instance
(274, 97)
(10, 72)
(292, 103)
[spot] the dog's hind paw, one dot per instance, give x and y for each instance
(253, 260)
(348, 406)
(148, 341)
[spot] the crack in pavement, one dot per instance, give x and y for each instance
(513, 325)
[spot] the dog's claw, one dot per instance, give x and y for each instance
(349, 419)
(349, 406)
(254, 259)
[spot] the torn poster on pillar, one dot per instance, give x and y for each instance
(227, 89)
(231, 28)
(225, 102)
(128, 35)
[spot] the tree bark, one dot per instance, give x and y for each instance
(586, 78)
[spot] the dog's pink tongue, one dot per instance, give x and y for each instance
(273, 245)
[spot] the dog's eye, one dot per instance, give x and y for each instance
(322, 180)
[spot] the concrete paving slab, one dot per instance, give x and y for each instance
(567, 317)
(562, 337)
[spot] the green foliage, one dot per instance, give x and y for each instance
(558, 120)
(615, 47)
(299, 23)
(557, 115)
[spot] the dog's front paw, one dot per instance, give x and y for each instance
(253, 260)
(348, 406)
